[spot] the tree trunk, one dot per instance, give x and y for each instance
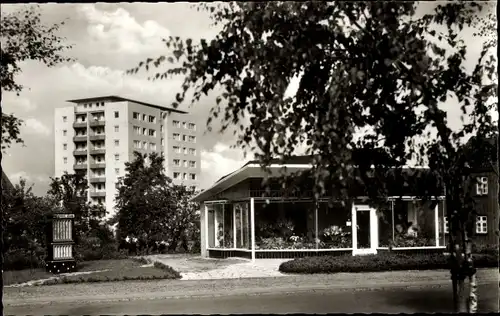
(472, 300)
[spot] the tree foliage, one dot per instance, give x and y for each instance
(24, 37)
(25, 218)
(150, 208)
(70, 193)
(377, 67)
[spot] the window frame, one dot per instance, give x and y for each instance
(482, 186)
(480, 221)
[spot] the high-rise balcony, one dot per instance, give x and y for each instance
(97, 151)
(97, 193)
(97, 137)
(94, 123)
(98, 179)
(97, 165)
(80, 125)
(80, 166)
(80, 138)
(80, 152)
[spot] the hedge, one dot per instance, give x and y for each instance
(377, 263)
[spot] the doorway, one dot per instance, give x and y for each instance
(364, 230)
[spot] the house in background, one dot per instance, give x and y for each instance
(6, 184)
(240, 218)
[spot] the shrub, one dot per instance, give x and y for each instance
(374, 263)
(20, 259)
(141, 260)
(169, 269)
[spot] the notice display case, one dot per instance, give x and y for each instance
(60, 244)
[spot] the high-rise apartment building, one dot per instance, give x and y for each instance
(97, 136)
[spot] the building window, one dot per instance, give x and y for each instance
(184, 138)
(117, 171)
(177, 150)
(117, 157)
(117, 143)
(177, 136)
(192, 176)
(137, 144)
(176, 175)
(65, 119)
(152, 146)
(152, 119)
(192, 151)
(85, 105)
(184, 176)
(184, 125)
(152, 133)
(192, 126)
(481, 227)
(185, 163)
(176, 124)
(135, 115)
(144, 117)
(193, 188)
(192, 139)
(163, 141)
(184, 150)
(65, 146)
(102, 103)
(446, 225)
(137, 130)
(65, 160)
(65, 132)
(177, 162)
(144, 131)
(192, 164)
(117, 128)
(161, 128)
(117, 114)
(482, 186)
(145, 145)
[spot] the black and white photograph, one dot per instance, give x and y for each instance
(266, 157)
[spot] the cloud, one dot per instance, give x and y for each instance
(121, 32)
(34, 126)
(218, 162)
(18, 103)
(30, 178)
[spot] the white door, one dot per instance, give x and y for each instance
(364, 230)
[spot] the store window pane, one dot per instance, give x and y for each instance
(385, 225)
(334, 226)
(414, 223)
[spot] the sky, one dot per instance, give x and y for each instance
(107, 40)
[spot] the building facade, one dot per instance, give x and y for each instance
(97, 136)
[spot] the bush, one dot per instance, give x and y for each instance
(21, 259)
(167, 269)
(380, 262)
(141, 260)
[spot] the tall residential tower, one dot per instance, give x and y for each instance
(97, 136)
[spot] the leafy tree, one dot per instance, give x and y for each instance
(24, 37)
(70, 193)
(363, 66)
(25, 223)
(150, 207)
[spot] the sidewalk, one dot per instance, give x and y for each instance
(130, 290)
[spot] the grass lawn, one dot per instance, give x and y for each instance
(22, 276)
(105, 271)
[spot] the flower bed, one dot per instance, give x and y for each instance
(380, 262)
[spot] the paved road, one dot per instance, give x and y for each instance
(390, 299)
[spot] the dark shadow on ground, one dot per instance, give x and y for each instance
(439, 299)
